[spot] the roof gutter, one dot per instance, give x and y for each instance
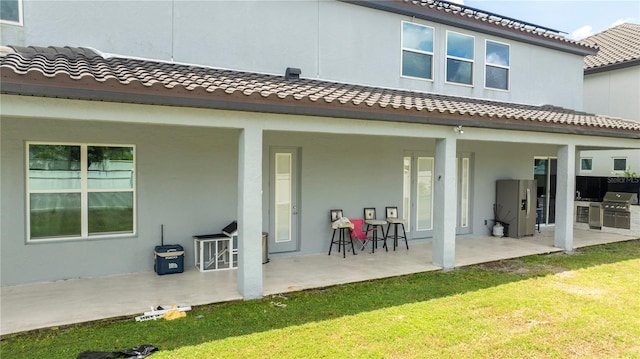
(464, 22)
(616, 66)
(267, 106)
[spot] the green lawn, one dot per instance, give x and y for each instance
(583, 305)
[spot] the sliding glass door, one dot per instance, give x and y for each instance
(545, 173)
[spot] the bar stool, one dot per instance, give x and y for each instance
(377, 224)
(393, 220)
(344, 235)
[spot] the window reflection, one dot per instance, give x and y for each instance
(417, 51)
(110, 167)
(460, 57)
(459, 45)
(425, 193)
(459, 71)
(497, 54)
(110, 212)
(55, 215)
(497, 65)
(54, 167)
(80, 190)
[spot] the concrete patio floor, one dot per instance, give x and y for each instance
(42, 305)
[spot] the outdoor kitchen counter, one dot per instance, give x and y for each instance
(580, 205)
(581, 211)
(635, 224)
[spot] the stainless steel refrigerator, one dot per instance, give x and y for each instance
(516, 206)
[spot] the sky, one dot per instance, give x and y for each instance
(577, 18)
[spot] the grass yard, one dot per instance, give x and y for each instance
(583, 305)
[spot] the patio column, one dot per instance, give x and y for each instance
(250, 213)
(564, 197)
(445, 204)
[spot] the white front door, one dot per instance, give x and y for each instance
(284, 207)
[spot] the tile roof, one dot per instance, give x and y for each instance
(618, 45)
(85, 74)
(491, 18)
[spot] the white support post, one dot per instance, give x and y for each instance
(564, 197)
(445, 204)
(250, 214)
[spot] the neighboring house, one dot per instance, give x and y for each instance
(192, 114)
(612, 88)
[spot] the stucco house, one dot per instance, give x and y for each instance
(612, 87)
(188, 115)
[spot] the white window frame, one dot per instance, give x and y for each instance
(20, 17)
(585, 170)
(447, 57)
(403, 49)
(84, 193)
(486, 64)
(613, 166)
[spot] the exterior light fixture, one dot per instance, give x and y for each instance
(458, 129)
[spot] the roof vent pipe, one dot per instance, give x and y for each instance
(292, 73)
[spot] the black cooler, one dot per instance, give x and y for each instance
(169, 259)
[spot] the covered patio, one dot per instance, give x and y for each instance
(205, 156)
(34, 306)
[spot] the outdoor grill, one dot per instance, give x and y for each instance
(616, 209)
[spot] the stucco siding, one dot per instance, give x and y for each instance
(185, 181)
(549, 77)
(614, 93)
(105, 25)
(260, 36)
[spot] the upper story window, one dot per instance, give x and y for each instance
(586, 164)
(460, 50)
(79, 191)
(497, 65)
(619, 164)
(417, 51)
(11, 12)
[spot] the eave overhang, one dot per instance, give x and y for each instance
(611, 67)
(136, 93)
(466, 22)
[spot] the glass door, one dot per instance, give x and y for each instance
(463, 181)
(418, 182)
(545, 173)
(284, 206)
(418, 195)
